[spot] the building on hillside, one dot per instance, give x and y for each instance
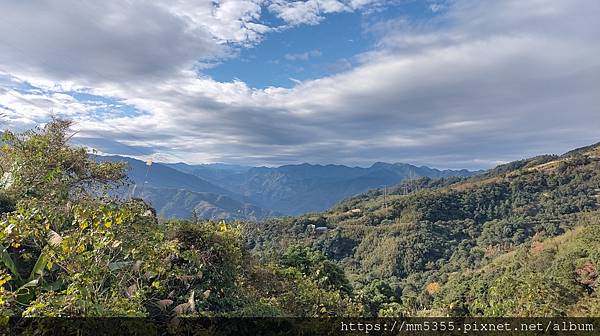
(321, 229)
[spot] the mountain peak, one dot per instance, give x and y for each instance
(380, 164)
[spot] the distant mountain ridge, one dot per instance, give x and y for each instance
(223, 191)
(302, 188)
(174, 193)
(162, 176)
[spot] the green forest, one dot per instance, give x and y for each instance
(528, 230)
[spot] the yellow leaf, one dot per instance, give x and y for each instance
(4, 279)
(433, 288)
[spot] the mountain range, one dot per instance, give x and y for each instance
(222, 191)
(528, 230)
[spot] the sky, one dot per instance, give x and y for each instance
(445, 83)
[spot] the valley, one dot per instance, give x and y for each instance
(427, 246)
(219, 191)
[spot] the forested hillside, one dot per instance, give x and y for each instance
(185, 204)
(458, 246)
(528, 230)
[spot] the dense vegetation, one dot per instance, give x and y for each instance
(528, 230)
(69, 249)
(459, 246)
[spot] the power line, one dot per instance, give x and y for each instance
(29, 101)
(148, 162)
(32, 103)
(133, 148)
(91, 69)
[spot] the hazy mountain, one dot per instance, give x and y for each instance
(297, 189)
(162, 176)
(180, 203)
(233, 191)
(174, 193)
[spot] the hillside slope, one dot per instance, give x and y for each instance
(181, 203)
(403, 245)
(546, 277)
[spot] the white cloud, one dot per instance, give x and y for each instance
(312, 11)
(90, 42)
(228, 20)
(305, 56)
(26, 109)
(496, 82)
(304, 12)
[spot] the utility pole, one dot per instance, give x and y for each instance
(149, 165)
(385, 197)
(133, 189)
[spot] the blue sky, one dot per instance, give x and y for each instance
(295, 53)
(445, 83)
(311, 51)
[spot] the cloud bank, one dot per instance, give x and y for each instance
(479, 83)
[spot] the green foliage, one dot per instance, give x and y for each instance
(554, 277)
(425, 231)
(207, 260)
(303, 283)
(86, 262)
(380, 295)
(527, 231)
(314, 264)
(393, 309)
(67, 248)
(40, 164)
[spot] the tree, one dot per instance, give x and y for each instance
(68, 247)
(40, 164)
